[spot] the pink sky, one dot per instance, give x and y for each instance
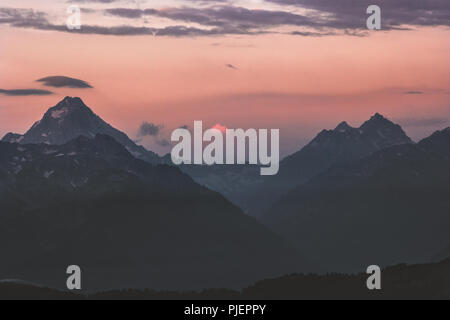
(297, 84)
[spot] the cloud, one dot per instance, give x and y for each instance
(323, 18)
(340, 15)
(352, 13)
(29, 19)
(93, 1)
(129, 12)
(148, 129)
(422, 122)
(179, 31)
(25, 92)
(413, 92)
(86, 29)
(230, 66)
(312, 34)
(64, 82)
(223, 17)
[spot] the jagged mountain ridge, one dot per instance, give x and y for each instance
(71, 118)
(240, 184)
(340, 145)
(330, 147)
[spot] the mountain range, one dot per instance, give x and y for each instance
(389, 207)
(242, 185)
(73, 189)
(254, 194)
(124, 221)
(352, 196)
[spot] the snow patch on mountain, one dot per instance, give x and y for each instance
(57, 114)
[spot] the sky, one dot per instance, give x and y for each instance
(149, 67)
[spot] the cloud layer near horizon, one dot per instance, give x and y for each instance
(25, 92)
(313, 17)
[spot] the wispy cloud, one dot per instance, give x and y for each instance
(25, 92)
(338, 15)
(312, 34)
(413, 92)
(93, 1)
(29, 19)
(148, 129)
(422, 122)
(352, 13)
(64, 82)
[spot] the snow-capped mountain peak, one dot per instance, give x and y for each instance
(72, 118)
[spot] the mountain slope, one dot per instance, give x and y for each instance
(235, 182)
(387, 208)
(71, 118)
(125, 222)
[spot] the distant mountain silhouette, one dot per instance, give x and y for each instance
(74, 190)
(70, 119)
(328, 148)
(389, 207)
(245, 187)
(427, 281)
(127, 223)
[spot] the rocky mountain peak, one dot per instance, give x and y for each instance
(342, 127)
(382, 132)
(71, 118)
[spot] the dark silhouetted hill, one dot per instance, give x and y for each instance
(427, 281)
(125, 222)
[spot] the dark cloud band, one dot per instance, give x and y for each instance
(25, 92)
(64, 82)
(326, 17)
(351, 13)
